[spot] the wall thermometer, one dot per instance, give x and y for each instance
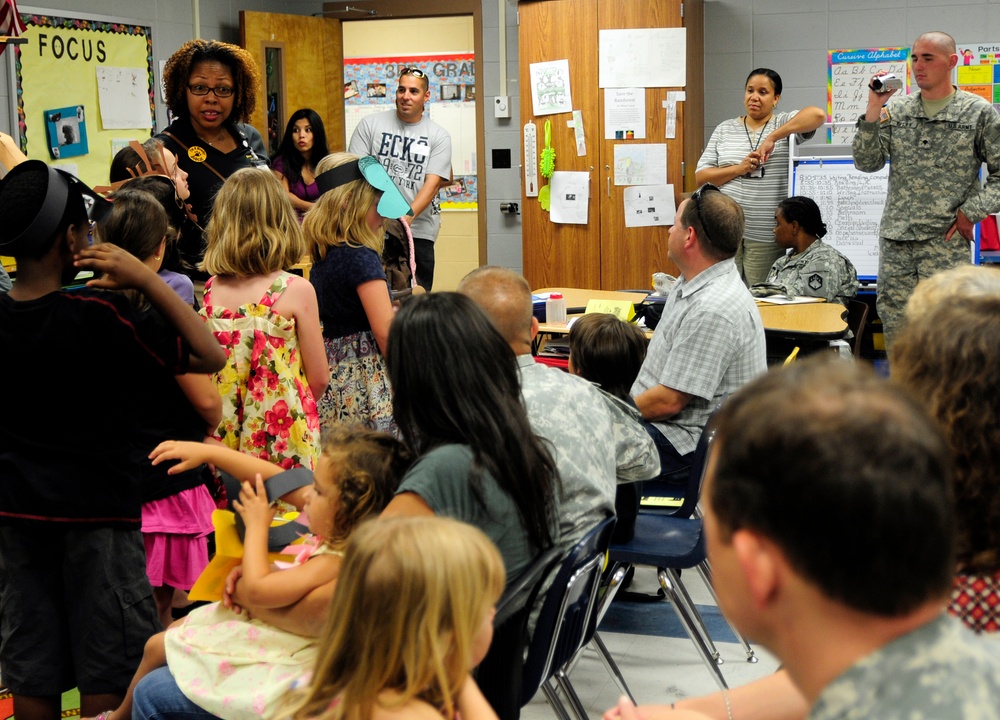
(530, 160)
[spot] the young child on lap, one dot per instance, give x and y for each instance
(234, 666)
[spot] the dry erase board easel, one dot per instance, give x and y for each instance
(851, 203)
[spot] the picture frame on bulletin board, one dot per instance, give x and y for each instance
(66, 129)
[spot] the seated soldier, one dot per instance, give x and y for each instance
(813, 268)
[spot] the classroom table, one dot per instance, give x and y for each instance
(806, 321)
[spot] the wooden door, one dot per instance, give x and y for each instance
(604, 253)
(629, 256)
(562, 255)
(312, 62)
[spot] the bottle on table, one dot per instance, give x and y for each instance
(555, 309)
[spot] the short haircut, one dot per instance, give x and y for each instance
(720, 226)
(947, 355)
(253, 229)
(805, 212)
(941, 39)
(847, 475)
(607, 351)
(505, 296)
(959, 282)
(339, 215)
(770, 74)
(246, 76)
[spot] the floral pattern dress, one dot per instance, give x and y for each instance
(234, 667)
(268, 410)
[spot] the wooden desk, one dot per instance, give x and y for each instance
(810, 321)
(579, 297)
(820, 321)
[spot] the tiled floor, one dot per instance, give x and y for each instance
(660, 667)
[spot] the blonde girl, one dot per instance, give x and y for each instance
(345, 234)
(411, 616)
(235, 666)
(267, 319)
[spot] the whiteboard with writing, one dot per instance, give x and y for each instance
(851, 203)
(847, 85)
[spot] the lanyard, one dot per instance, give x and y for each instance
(759, 135)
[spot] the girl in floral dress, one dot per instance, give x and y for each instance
(268, 321)
(234, 666)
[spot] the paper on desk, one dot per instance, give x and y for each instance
(570, 197)
(621, 309)
(649, 205)
(786, 300)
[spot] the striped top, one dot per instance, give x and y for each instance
(758, 197)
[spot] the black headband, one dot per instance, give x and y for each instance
(340, 175)
(61, 185)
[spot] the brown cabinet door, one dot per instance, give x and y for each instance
(603, 253)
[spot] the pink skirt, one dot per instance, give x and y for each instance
(175, 532)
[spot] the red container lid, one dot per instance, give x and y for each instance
(555, 296)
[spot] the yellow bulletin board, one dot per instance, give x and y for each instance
(59, 67)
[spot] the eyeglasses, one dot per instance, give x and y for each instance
(222, 91)
(415, 72)
(696, 197)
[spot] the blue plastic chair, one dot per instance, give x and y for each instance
(517, 666)
(567, 622)
(671, 542)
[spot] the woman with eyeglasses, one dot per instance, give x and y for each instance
(747, 158)
(211, 90)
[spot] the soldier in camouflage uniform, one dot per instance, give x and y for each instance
(936, 141)
(813, 268)
(830, 524)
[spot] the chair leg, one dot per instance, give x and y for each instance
(570, 692)
(705, 570)
(614, 585)
(699, 621)
(612, 666)
(684, 613)
(554, 702)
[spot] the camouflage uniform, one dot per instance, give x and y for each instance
(934, 172)
(818, 271)
(940, 671)
(594, 440)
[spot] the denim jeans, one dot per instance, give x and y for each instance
(157, 697)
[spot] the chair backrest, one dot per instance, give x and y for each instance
(693, 490)
(857, 318)
(568, 617)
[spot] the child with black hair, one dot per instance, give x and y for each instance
(77, 606)
(177, 508)
(609, 352)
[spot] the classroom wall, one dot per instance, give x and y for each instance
(172, 25)
(792, 37)
(456, 251)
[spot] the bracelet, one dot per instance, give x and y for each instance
(729, 707)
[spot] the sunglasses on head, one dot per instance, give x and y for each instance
(696, 197)
(415, 72)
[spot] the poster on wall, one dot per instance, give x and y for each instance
(66, 129)
(978, 71)
(370, 87)
(850, 71)
(58, 68)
